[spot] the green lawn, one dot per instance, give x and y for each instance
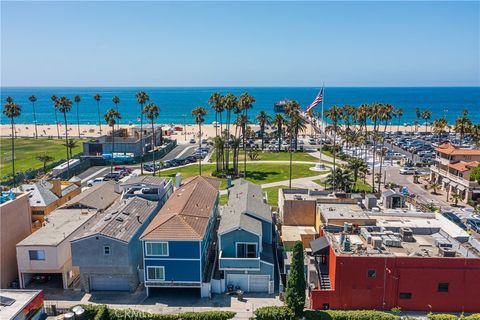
(273, 156)
(359, 185)
(259, 173)
(272, 196)
(26, 149)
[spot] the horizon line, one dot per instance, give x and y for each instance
(247, 86)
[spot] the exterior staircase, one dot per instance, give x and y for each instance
(325, 282)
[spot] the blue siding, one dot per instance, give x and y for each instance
(266, 232)
(178, 249)
(264, 269)
(177, 270)
(229, 240)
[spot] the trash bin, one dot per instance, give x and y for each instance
(239, 295)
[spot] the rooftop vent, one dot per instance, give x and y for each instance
(119, 219)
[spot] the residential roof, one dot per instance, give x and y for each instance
(40, 194)
(21, 298)
(294, 233)
(122, 220)
(319, 244)
(464, 166)
(59, 225)
(247, 197)
(232, 219)
(390, 192)
(186, 213)
(150, 180)
(68, 188)
(99, 197)
(448, 148)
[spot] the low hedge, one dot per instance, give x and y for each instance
(273, 313)
(102, 312)
(444, 316)
(349, 315)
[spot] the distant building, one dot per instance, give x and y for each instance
(406, 259)
(245, 235)
(15, 225)
(22, 304)
(46, 196)
(46, 254)
(178, 245)
(127, 140)
(147, 187)
(98, 197)
(452, 170)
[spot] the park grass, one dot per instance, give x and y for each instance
(360, 186)
(272, 196)
(259, 173)
(272, 156)
(26, 149)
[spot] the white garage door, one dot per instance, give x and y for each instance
(109, 284)
(240, 280)
(259, 283)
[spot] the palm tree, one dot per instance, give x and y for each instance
(374, 113)
(357, 166)
(426, 115)
(199, 113)
(70, 145)
(335, 114)
(245, 102)
(33, 99)
(151, 111)
(292, 110)
(340, 179)
(438, 126)
(434, 187)
(44, 158)
(418, 115)
(215, 101)
(54, 99)
(116, 101)
(263, 120)
(64, 106)
(111, 118)
(219, 147)
(77, 100)
(142, 98)
(462, 125)
(475, 133)
(12, 110)
(230, 103)
(386, 112)
(97, 98)
(278, 122)
(297, 123)
(455, 197)
(398, 115)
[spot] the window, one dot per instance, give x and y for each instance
(36, 254)
(405, 295)
(442, 287)
(37, 212)
(246, 250)
(106, 250)
(371, 273)
(155, 273)
(157, 248)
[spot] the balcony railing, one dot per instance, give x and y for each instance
(239, 263)
(454, 178)
(186, 284)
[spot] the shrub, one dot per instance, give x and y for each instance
(474, 316)
(442, 316)
(273, 313)
(349, 315)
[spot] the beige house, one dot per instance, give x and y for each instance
(15, 225)
(452, 171)
(45, 255)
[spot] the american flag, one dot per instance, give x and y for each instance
(317, 100)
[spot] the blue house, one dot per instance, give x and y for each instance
(245, 240)
(179, 245)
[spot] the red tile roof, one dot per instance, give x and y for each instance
(464, 166)
(186, 213)
(450, 149)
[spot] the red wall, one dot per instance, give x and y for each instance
(352, 289)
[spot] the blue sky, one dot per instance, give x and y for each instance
(240, 43)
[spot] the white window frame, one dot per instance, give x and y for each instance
(109, 250)
(37, 251)
(155, 267)
(157, 255)
(246, 243)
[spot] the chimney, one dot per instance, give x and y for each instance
(56, 187)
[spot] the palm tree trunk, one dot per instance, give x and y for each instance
(245, 144)
(13, 154)
(35, 120)
(290, 173)
(99, 121)
(216, 123)
(56, 121)
(153, 147)
(78, 123)
(66, 142)
(113, 146)
(334, 154)
(141, 138)
(200, 146)
(279, 136)
(382, 156)
(262, 132)
(227, 142)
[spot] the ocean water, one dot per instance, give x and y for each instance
(176, 103)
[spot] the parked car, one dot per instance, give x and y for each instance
(454, 218)
(192, 140)
(112, 176)
(474, 224)
(408, 170)
(95, 181)
(123, 168)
